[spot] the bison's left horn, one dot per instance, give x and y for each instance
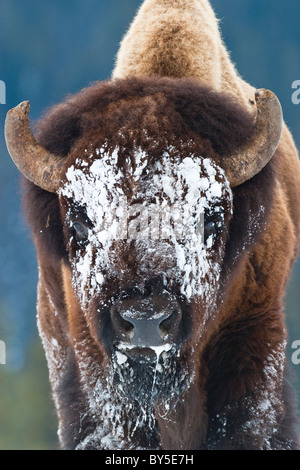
(35, 162)
(258, 151)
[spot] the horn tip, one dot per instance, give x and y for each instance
(260, 91)
(264, 94)
(266, 99)
(22, 108)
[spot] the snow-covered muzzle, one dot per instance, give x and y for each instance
(136, 228)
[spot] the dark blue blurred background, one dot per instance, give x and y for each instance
(49, 49)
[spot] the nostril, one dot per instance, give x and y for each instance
(127, 328)
(123, 327)
(170, 324)
(145, 322)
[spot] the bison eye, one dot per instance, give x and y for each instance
(212, 229)
(81, 230)
(209, 230)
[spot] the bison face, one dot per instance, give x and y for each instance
(145, 241)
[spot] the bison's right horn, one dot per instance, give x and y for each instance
(35, 162)
(249, 160)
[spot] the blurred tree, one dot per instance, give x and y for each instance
(27, 416)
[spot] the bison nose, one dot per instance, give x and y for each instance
(147, 322)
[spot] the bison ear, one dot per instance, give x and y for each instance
(254, 155)
(36, 163)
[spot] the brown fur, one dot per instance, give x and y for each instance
(243, 343)
(258, 276)
(179, 38)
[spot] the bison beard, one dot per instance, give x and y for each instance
(148, 376)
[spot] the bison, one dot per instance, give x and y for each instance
(165, 206)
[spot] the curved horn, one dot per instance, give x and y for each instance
(35, 162)
(258, 151)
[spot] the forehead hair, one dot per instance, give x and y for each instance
(152, 112)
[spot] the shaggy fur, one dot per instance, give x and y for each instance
(179, 38)
(239, 397)
(97, 113)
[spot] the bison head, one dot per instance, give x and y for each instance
(144, 171)
(145, 238)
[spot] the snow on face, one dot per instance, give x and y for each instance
(167, 225)
(176, 193)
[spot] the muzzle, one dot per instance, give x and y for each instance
(146, 322)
